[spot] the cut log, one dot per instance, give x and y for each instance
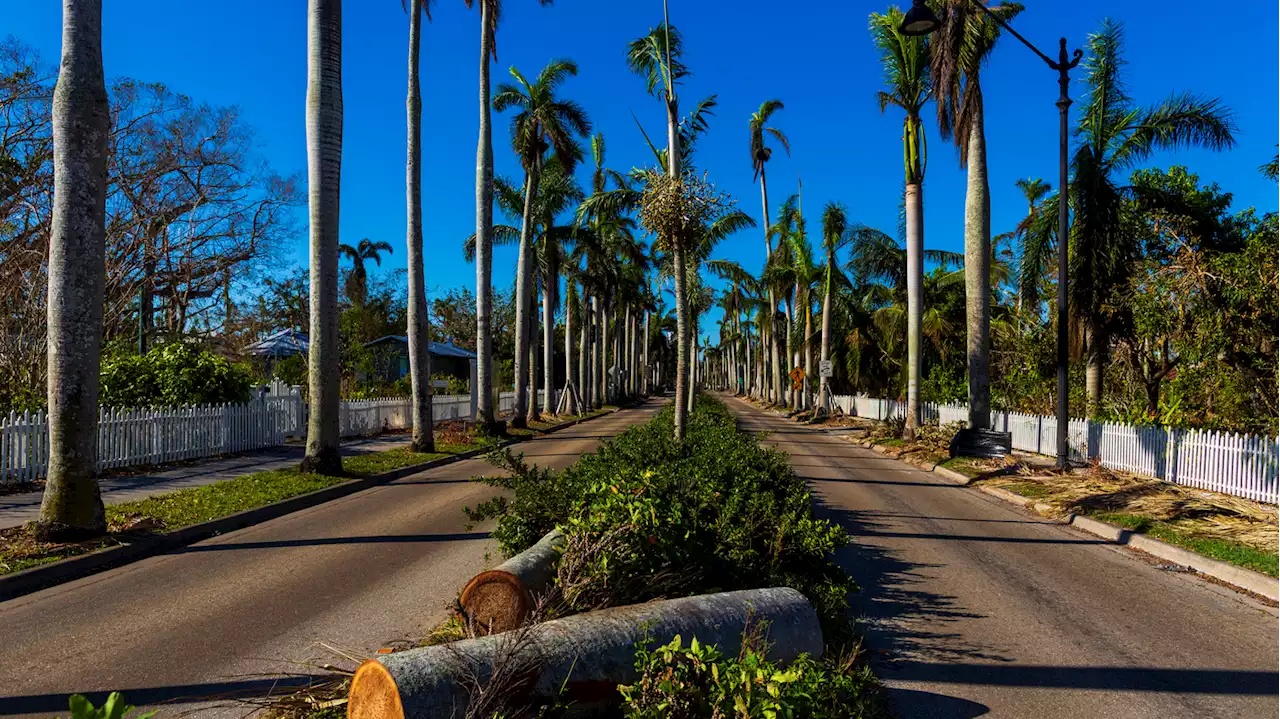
(590, 653)
(502, 598)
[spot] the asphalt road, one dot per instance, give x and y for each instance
(230, 615)
(972, 607)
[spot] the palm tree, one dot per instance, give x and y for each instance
(557, 193)
(605, 230)
(1113, 137)
(760, 154)
(419, 329)
(1271, 170)
(324, 164)
(807, 274)
(781, 278)
(358, 280)
(836, 235)
(656, 58)
(543, 122)
(959, 49)
(72, 505)
(489, 13)
(905, 59)
(1035, 248)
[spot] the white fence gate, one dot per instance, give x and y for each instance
(1239, 464)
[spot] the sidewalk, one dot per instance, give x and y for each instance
(17, 509)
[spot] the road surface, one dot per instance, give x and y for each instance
(229, 615)
(972, 607)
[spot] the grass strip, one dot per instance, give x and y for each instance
(1224, 550)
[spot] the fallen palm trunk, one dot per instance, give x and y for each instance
(588, 654)
(502, 598)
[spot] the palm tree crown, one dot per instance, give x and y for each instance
(905, 59)
(544, 121)
(760, 151)
(358, 280)
(1114, 136)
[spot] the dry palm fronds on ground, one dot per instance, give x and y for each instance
(1198, 512)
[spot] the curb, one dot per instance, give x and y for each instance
(52, 574)
(961, 479)
(1239, 577)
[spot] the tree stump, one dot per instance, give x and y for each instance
(589, 654)
(502, 598)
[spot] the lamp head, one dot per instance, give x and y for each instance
(919, 20)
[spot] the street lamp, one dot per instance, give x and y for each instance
(920, 20)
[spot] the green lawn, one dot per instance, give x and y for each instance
(19, 550)
(965, 466)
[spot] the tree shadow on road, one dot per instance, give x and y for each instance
(899, 617)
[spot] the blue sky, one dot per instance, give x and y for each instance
(819, 60)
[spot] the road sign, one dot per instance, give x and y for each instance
(797, 378)
(825, 368)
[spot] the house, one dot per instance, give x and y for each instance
(393, 358)
(285, 343)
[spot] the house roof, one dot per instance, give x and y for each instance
(440, 349)
(285, 343)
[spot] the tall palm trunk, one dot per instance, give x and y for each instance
(1095, 356)
(824, 399)
(790, 358)
(977, 275)
(808, 350)
(484, 228)
(524, 278)
(549, 337)
(419, 354)
(584, 359)
(597, 342)
(531, 412)
(72, 504)
(774, 392)
(570, 393)
(633, 352)
(915, 303)
(694, 366)
(682, 342)
(645, 359)
(606, 346)
(324, 166)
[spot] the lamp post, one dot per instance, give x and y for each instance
(920, 20)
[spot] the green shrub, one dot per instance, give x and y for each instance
(173, 374)
(716, 512)
(113, 708)
(944, 384)
(695, 681)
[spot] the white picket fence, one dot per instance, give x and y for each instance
(507, 400)
(371, 416)
(129, 437)
(1243, 465)
(133, 437)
